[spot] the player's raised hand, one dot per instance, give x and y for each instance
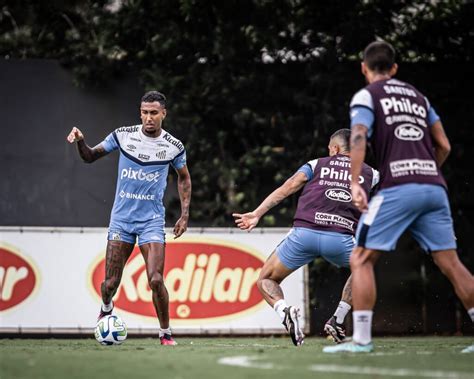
(75, 135)
(246, 221)
(359, 197)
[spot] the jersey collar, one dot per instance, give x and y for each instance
(147, 138)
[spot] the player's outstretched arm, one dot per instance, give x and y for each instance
(248, 221)
(87, 153)
(184, 190)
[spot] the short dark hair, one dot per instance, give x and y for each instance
(152, 96)
(379, 56)
(344, 137)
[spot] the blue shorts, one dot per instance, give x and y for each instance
(303, 245)
(149, 231)
(423, 209)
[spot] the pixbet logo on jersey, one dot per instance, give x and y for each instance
(205, 280)
(139, 175)
(17, 279)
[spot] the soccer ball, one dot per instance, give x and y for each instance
(110, 330)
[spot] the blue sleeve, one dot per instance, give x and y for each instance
(110, 143)
(364, 116)
(179, 161)
(307, 170)
(432, 116)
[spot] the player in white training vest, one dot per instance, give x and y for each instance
(146, 152)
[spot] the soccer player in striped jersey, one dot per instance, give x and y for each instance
(138, 215)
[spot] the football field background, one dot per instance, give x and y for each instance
(261, 357)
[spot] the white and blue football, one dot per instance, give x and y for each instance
(110, 330)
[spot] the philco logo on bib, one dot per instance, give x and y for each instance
(204, 280)
(17, 279)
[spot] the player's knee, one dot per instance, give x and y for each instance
(361, 257)
(264, 274)
(267, 275)
(156, 282)
(447, 261)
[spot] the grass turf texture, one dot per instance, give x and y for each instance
(262, 357)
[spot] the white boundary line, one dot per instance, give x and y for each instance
(245, 345)
(246, 361)
(250, 362)
(367, 370)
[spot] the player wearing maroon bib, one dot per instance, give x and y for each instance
(324, 225)
(410, 146)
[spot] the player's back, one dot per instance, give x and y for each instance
(400, 137)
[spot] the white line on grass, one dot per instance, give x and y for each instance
(251, 362)
(244, 345)
(245, 361)
(367, 370)
(381, 353)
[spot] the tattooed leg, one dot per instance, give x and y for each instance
(271, 291)
(347, 291)
(272, 274)
(117, 255)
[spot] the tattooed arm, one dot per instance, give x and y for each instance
(248, 221)
(184, 190)
(358, 149)
(87, 153)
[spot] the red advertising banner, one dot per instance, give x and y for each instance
(18, 279)
(204, 280)
(50, 281)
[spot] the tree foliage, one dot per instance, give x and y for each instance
(255, 87)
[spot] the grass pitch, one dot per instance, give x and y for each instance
(228, 358)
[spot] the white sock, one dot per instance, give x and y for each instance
(164, 331)
(471, 313)
(362, 327)
(107, 307)
(342, 310)
(279, 306)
